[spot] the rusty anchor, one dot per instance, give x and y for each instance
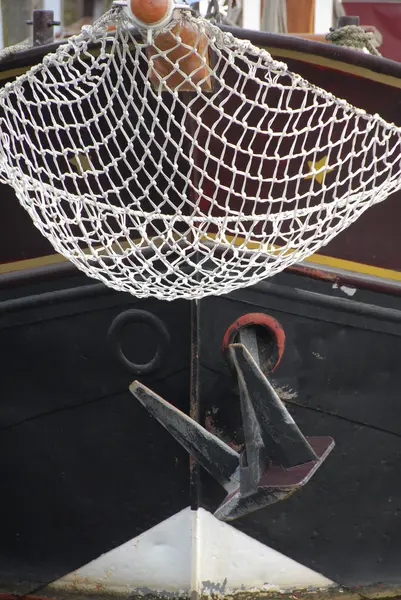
(277, 459)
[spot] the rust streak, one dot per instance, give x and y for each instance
(315, 273)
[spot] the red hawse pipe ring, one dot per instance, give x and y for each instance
(273, 327)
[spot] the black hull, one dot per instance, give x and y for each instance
(84, 468)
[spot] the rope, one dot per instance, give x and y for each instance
(353, 36)
(21, 47)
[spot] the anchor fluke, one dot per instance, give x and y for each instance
(215, 456)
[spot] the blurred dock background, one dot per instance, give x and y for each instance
(310, 17)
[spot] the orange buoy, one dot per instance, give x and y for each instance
(150, 11)
(176, 63)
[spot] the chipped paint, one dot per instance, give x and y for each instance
(349, 291)
(334, 593)
(285, 392)
(212, 428)
(377, 592)
(212, 591)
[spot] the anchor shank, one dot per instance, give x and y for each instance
(284, 442)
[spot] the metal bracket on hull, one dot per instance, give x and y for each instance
(276, 460)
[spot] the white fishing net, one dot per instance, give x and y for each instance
(189, 166)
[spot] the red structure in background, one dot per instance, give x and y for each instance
(386, 17)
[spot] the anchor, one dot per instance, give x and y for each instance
(277, 459)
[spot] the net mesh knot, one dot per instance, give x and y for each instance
(189, 166)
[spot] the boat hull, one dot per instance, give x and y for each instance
(85, 470)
